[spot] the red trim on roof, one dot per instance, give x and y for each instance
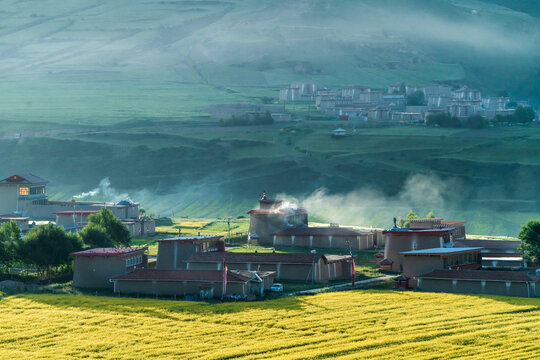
(105, 252)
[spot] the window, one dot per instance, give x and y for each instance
(23, 191)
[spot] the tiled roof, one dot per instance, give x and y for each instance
(190, 238)
(23, 179)
(320, 231)
(489, 244)
(181, 275)
(264, 258)
(479, 275)
(433, 220)
(386, 262)
(104, 252)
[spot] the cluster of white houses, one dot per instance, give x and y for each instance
(24, 199)
(390, 105)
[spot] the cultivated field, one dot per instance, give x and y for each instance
(372, 324)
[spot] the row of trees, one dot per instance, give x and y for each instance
(47, 248)
(521, 115)
(444, 120)
(246, 120)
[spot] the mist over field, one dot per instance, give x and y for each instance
(107, 99)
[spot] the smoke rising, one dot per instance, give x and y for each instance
(104, 191)
(365, 207)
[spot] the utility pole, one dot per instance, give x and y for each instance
(229, 228)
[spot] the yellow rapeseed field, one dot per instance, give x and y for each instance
(371, 324)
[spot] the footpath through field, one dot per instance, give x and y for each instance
(357, 283)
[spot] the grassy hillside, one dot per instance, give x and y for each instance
(487, 177)
(348, 325)
(96, 62)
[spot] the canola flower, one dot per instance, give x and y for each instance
(371, 324)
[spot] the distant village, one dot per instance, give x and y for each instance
(398, 103)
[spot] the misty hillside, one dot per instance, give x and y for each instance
(83, 50)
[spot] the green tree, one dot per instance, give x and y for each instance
(475, 121)
(10, 237)
(95, 235)
(410, 215)
(48, 246)
(430, 215)
(117, 231)
(417, 98)
(530, 240)
(524, 114)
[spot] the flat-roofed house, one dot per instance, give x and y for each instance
(399, 240)
(73, 220)
(333, 237)
(200, 283)
(18, 192)
(93, 268)
(420, 262)
(495, 246)
(509, 283)
(172, 252)
(303, 267)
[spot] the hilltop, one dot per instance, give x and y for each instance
(100, 62)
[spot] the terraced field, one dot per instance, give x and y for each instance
(372, 324)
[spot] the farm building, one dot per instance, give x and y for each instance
(204, 284)
(74, 220)
(304, 267)
(173, 252)
(509, 283)
(399, 240)
(495, 246)
(25, 195)
(420, 262)
(93, 268)
(333, 237)
(272, 217)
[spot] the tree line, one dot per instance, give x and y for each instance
(521, 114)
(46, 248)
(247, 120)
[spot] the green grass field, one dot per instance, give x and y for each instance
(365, 324)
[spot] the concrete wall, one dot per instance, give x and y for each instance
(360, 242)
(95, 271)
(414, 265)
(180, 288)
(395, 244)
(321, 272)
(8, 199)
(479, 287)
